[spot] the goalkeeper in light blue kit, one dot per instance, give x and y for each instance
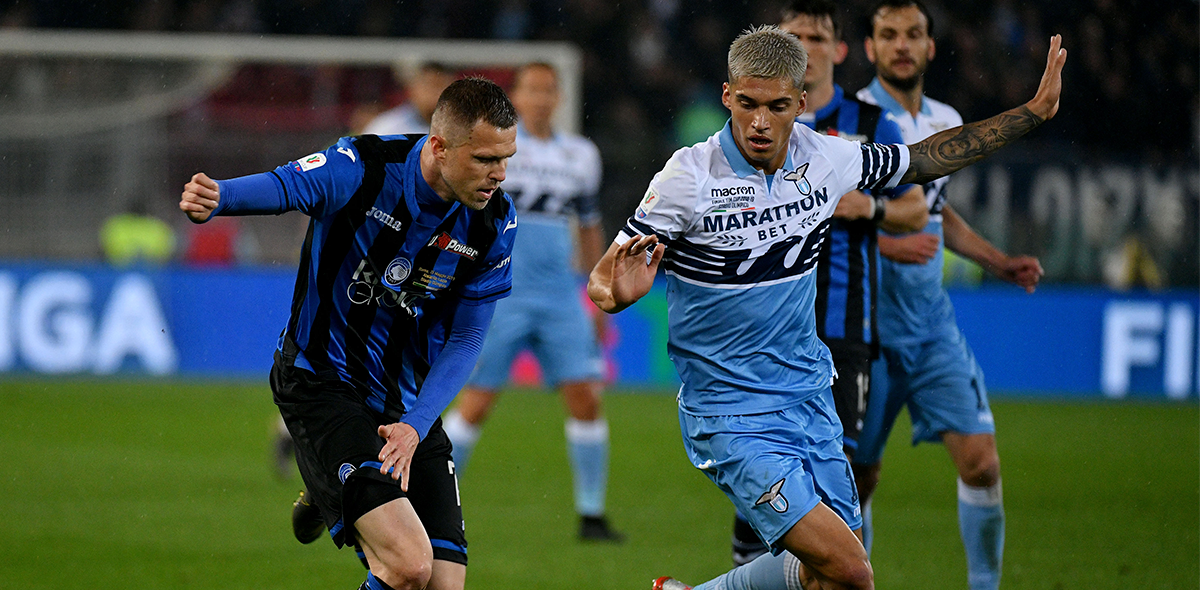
(742, 217)
(926, 363)
(553, 180)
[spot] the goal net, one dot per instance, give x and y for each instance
(92, 124)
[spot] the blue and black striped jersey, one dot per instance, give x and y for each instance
(384, 266)
(848, 265)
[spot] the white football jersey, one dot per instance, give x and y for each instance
(551, 181)
(401, 120)
(741, 247)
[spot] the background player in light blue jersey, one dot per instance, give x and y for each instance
(928, 365)
(742, 217)
(553, 180)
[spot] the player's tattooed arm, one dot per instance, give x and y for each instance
(955, 149)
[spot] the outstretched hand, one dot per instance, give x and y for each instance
(1045, 102)
(200, 198)
(633, 271)
(397, 453)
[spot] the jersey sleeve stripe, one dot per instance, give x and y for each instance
(882, 166)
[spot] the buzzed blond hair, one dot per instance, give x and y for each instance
(768, 52)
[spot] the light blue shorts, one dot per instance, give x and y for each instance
(942, 386)
(558, 332)
(776, 467)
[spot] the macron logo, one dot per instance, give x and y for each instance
(348, 153)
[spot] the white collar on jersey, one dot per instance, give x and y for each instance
(737, 161)
(890, 104)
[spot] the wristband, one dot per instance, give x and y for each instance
(879, 210)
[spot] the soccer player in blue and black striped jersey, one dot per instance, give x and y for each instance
(406, 255)
(848, 264)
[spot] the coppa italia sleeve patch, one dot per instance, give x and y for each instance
(648, 203)
(309, 162)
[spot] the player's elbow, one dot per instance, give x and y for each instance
(907, 213)
(917, 220)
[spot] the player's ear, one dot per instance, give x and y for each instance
(839, 55)
(932, 50)
(726, 99)
(437, 146)
(869, 47)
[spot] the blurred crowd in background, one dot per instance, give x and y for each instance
(1132, 84)
(653, 68)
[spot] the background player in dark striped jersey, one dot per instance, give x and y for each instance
(847, 268)
(553, 180)
(755, 407)
(926, 360)
(407, 253)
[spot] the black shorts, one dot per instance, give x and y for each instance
(851, 390)
(337, 450)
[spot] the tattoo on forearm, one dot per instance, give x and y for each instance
(954, 149)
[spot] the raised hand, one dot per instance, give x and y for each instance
(625, 273)
(952, 150)
(1045, 102)
(632, 271)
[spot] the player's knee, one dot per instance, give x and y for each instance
(475, 406)
(854, 573)
(402, 565)
(982, 471)
(582, 400)
(404, 574)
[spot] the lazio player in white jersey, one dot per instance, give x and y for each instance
(412, 116)
(742, 217)
(929, 366)
(553, 181)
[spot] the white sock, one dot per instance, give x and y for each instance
(587, 444)
(463, 436)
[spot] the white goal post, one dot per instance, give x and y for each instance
(218, 50)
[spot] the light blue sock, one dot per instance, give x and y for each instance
(768, 572)
(868, 527)
(463, 436)
(981, 521)
(587, 442)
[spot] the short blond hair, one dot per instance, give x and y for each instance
(768, 52)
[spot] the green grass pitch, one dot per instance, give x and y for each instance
(146, 484)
